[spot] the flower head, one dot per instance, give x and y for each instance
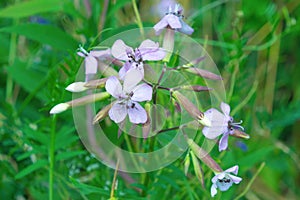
(221, 123)
(173, 19)
(91, 58)
(148, 50)
(224, 180)
(128, 97)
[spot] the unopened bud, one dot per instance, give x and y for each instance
(192, 63)
(59, 108)
(195, 88)
(191, 108)
(203, 73)
(77, 87)
(240, 134)
(94, 84)
(204, 156)
(89, 99)
(102, 113)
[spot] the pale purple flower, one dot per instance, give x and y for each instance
(173, 19)
(90, 58)
(148, 50)
(224, 180)
(221, 123)
(128, 97)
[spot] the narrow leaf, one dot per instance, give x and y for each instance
(35, 166)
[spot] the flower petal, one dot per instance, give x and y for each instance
(186, 29)
(225, 108)
(219, 124)
(233, 169)
(100, 53)
(113, 87)
(131, 79)
(213, 190)
(142, 92)
(235, 179)
(118, 112)
(81, 54)
(119, 50)
(223, 143)
(217, 177)
(126, 67)
(137, 114)
(150, 50)
(161, 25)
(91, 65)
(174, 21)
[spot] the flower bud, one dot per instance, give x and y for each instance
(204, 156)
(102, 113)
(191, 109)
(77, 87)
(89, 99)
(59, 108)
(94, 84)
(197, 169)
(203, 73)
(187, 162)
(240, 134)
(195, 88)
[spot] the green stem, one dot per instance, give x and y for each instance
(11, 60)
(138, 18)
(251, 181)
(245, 101)
(51, 157)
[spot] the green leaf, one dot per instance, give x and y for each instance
(45, 34)
(28, 8)
(67, 155)
(27, 78)
(86, 189)
(35, 166)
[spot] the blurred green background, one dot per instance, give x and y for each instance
(255, 45)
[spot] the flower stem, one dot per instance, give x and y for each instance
(113, 185)
(138, 18)
(251, 181)
(51, 157)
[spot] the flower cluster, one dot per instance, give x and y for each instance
(128, 88)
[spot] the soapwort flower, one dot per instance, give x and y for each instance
(224, 180)
(173, 19)
(148, 50)
(128, 97)
(90, 58)
(221, 123)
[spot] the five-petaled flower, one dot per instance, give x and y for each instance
(221, 123)
(128, 97)
(148, 50)
(90, 58)
(224, 180)
(173, 19)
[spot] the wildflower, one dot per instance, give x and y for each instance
(221, 123)
(91, 58)
(173, 19)
(224, 180)
(148, 50)
(128, 97)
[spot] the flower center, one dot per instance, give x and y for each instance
(224, 183)
(235, 125)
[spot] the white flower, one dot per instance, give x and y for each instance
(224, 180)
